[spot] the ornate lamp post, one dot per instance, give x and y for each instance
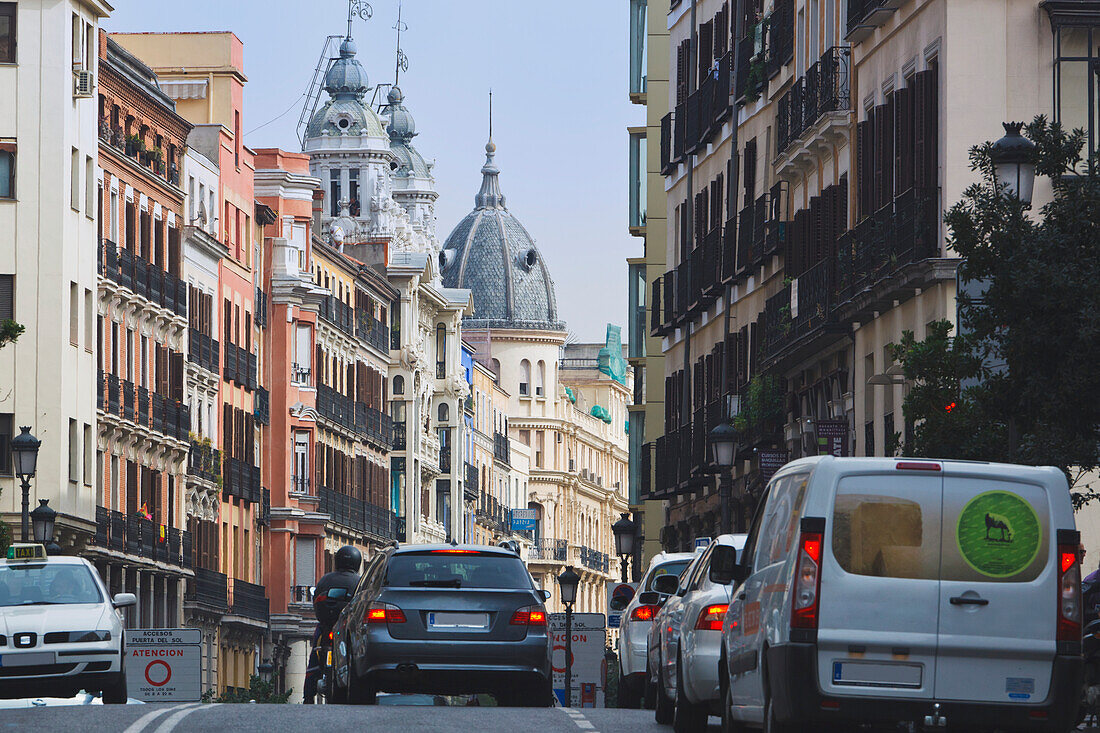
(624, 531)
(24, 452)
(1013, 159)
(567, 582)
(43, 519)
(723, 451)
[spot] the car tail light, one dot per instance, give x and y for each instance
(456, 551)
(529, 616)
(918, 466)
(807, 581)
(644, 613)
(1069, 594)
(384, 613)
(710, 618)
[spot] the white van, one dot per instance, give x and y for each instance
(945, 593)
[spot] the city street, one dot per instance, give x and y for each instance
(162, 718)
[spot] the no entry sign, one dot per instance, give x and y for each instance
(163, 664)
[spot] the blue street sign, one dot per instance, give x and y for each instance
(702, 542)
(523, 520)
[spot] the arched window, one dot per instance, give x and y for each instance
(398, 385)
(440, 349)
(525, 377)
(496, 370)
(540, 378)
(444, 412)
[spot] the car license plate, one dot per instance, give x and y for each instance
(877, 674)
(30, 659)
(451, 620)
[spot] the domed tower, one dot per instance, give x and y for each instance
(491, 254)
(413, 183)
(350, 151)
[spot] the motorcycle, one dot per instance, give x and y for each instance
(321, 654)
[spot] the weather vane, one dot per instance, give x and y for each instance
(402, 60)
(361, 8)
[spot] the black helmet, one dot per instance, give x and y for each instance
(349, 558)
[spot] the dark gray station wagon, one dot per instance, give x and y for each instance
(444, 619)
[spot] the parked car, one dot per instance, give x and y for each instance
(637, 619)
(887, 590)
(60, 631)
(690, 634)
(664, 623)
(444, 620)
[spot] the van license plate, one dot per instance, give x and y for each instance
(877, 674)
(446, 620)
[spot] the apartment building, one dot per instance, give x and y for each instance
(821, 214)
(648, 67)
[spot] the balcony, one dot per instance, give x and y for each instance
(150, 410)
(656, 315)
(815, 108)
(208, 588)
(445, 459)
(400, 435)
(204, 462)
(679, 132)
(261, 407)
(203, 350)
(502, 451)
(594, 559)
(249, 601)
(752, 78)
(668, 161)
(300, 485)
(780, 47)
(470, 487)
(141, 538)
(357, 514)
(336, 407)
(241, 479)
(260, 308)
(374, 332)
(752, 227)
(667, 459)
(240, 367)
(301, 375)
(379, 426)
(440, 370)
(866, 15)
(143, 278)
(549, 550)
(339, 314)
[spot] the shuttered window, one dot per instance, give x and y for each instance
(7, 297)
(706, 48)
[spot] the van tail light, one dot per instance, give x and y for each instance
(1069, 594)
(644, 613)
(384, 613)
(807, 581)
(529, 616)
(710, 618)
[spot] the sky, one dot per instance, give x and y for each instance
(560, 111)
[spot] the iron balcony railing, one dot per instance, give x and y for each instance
(863, 15)
(262, 406)
(203, 350)
(655, 320)
(339, 314)
(300, 374)
(300, 485)
(143, 278)
(249, 600)
(667, 160)
(204, 461)
(148, 409)
(141, 537)
(260, 308)
(208, 588)
(470, 487)
(548, 549)
(679, 132)
(400, 435)
(594, 559)
(240, 367)
(241, 479)
(502, 451)
(780, 47)
(357, 514)
(825, 88)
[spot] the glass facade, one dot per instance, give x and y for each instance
(636, 333)
(637, 194)
(637, 46)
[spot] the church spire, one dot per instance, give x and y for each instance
(490, 197)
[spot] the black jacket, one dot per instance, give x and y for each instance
(331, 594)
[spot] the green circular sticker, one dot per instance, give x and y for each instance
(998, 534)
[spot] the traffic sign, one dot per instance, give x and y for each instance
(618, 596)
(523, 520)
(589, 668)
(162, 665)
(702, 542)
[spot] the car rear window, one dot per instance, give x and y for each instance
(34, 585)
(676, 567)
(443, 569)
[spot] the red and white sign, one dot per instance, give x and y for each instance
(162, 665)
(588, 644)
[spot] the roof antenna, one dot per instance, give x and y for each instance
(490, 113)
(402, 60)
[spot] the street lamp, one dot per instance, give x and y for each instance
(43, 519)
(1013, 159)
(24, 452)
(624, 530)
(723, 450)
(567, 583)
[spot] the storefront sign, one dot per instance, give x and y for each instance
(832, 438)
(771, 461)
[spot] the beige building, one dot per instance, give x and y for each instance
(822, 214)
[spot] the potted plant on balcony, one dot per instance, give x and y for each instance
(135, 146)
(761, 407)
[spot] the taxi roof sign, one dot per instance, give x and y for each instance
(26, 551)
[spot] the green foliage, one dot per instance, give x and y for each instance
(9, 331)
(1031, 338)
(258, 691)
(5, 538)
(761, 405)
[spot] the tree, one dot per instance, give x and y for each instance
(9, 331)
(1029, 343)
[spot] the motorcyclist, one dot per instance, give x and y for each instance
(331, 594)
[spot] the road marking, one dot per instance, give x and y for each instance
(139, 724)
(578, 717)
(168, 725)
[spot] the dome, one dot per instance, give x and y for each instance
(402, 129)
(345, 113)
(401, 126)
(347, 77)
(491, 254)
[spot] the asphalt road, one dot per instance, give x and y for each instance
(164, 718)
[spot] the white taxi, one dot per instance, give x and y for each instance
(60, 631)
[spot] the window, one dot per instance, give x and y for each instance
(638, 46)
(7, 297)
(89, 188)
(237, 139)
(540, 378)
(114, 216)
(74, 451)
(886, 531)
(78, 53)
(74, 314)
(7, 168)
(525, 377)
(89, 320)
(7, 421)
(89, 455)
(398, 385)
(74, 180)
(7, 33)
(444, 412)
(334, 192)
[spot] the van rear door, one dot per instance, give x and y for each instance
(998, 593)
(880, 586)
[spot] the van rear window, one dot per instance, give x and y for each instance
(886, 536)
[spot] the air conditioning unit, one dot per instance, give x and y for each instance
(83, 83)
